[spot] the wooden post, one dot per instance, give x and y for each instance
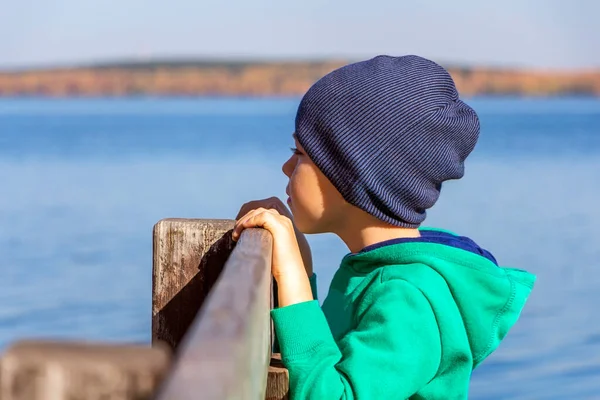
(38, 370)
(189, 255)
(227, 350)
(278, 380)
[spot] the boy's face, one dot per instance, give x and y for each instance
(316, 204)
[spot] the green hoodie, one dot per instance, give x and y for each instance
(409, 318)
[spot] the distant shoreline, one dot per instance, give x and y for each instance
(189, 79)
(176, 97)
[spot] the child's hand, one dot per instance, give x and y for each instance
(287, 267)
(286, 253)
(276, 204)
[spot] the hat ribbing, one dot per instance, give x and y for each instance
(387, 132)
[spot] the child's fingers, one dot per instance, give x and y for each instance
(249, 214)
(239, 224)
(254, 218)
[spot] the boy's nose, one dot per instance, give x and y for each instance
(287, 168)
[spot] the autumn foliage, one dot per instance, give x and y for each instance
(266, 79)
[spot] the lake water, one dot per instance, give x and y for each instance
(83, 181)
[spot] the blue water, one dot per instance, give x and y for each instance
(83, 181)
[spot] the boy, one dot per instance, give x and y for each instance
(411, 311)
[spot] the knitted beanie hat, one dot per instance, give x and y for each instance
(387, 132)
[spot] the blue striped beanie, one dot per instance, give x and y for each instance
(387, 132)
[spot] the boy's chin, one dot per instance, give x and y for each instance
(310, 227)
(309, 223)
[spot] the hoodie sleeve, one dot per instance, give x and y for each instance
(393, 351)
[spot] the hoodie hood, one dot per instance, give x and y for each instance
(489, 297)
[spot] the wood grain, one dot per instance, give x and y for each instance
(278, 380)
(227, 350)
(188, 256)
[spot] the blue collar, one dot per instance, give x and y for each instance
(439, 237)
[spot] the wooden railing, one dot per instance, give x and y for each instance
(210, 308)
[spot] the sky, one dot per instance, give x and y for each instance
(547, 34)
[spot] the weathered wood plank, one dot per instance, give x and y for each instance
(278, 381)
(188, 257)
(36, 370)
(226, 352)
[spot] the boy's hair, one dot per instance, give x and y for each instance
(387, 132)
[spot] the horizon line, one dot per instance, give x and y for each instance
(222, 61)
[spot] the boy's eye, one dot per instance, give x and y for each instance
(295, 151)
